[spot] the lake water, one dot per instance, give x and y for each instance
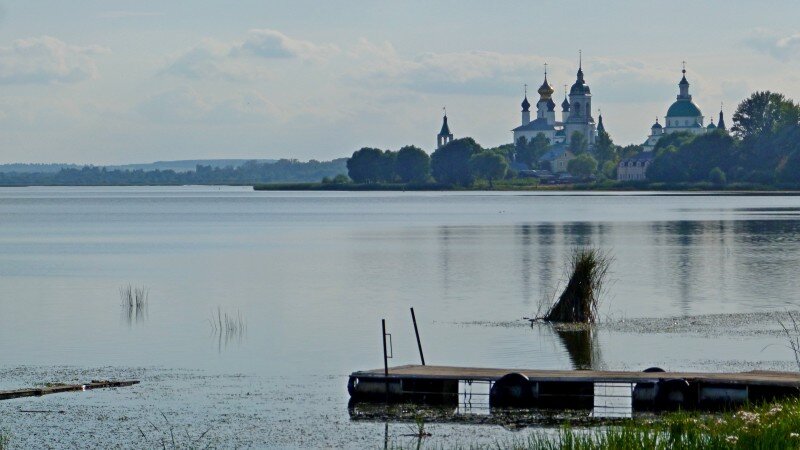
(313, 273)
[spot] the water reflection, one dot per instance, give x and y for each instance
(227, 328)
(134, 314)
(581, 345)
(524, 233)
(134, 302)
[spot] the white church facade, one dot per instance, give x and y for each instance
(683, 115)
(576, 114)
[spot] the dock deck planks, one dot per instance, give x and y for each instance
(767, 378)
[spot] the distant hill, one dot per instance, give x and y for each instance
(36, 168)
(208, 172)
(183, 165)
(186, 165)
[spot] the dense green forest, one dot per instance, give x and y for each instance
(251, 172)
(463, 161)
(458, 163)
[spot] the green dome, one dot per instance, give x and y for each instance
(684, 108)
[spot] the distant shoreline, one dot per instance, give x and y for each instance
(664, 189)
(684, 189)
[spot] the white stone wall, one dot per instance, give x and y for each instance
(683, 124)
(529, 135)
(632, 171)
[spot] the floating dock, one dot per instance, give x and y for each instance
(653, 389)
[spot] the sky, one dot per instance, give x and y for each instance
(111, 82)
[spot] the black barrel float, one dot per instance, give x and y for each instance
(674, 394)
(645, 392)
(513, 390)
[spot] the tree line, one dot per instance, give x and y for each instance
(463, 161)
(460, 162)
(251, 172)
(763, 148)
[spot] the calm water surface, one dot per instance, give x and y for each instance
(313, 274)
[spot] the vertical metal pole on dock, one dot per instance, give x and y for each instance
(416, 331)
(385, 359)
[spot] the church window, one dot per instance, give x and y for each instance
(588, 110)
(577, 109)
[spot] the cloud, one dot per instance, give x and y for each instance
(471, 73)
(128, 14)
(779, 47)
(624, 81)
(46, 60)
(186, 105)
(492, 73)
(244, 60)
(211, 59)
(274, 44)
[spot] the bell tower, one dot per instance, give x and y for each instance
(445, 136)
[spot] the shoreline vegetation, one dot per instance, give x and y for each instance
(766, 426)
(502, 186)
(760, 153)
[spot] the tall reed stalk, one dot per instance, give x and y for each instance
(224, 323)
(792, 332)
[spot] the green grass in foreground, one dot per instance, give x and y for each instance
(4, 440)
(771, 426)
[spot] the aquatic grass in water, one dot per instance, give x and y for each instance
(228, 324)
(792, 336)
(588, 269)
(227, 327)
(171, 438)
(134, 302)
(769, 426)
(4, 440)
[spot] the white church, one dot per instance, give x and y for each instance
(576, 114)
(683, 115)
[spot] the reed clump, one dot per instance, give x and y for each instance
(227, 325)
(792, 332)
(134, 301)
(170, 437)
(134, 297)
(588, 269)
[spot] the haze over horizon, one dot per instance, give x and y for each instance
(135, 81)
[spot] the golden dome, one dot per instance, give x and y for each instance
(545, 90)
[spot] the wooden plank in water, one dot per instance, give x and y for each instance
(54, 389)
(791, 379)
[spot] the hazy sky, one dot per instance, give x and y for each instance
(102, 81)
